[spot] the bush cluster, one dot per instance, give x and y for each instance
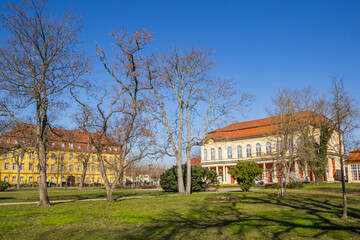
(4, 185)
(200, 179)
(245, 173)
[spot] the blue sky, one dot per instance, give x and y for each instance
(262, 45)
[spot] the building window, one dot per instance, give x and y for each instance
(7, 166)
(268, 148)
(53, 144)
(78, 179)
(30, 179)
(93, 158)
(31, 167)
(98, 180)
(111, 179)
(46, 167)
(53, 156)
(6, 179)
(8, 140)
(279, 146)
(355, 172)
(298, 142)
(16, 141)
(22, 155)
(212, 154)
(13, 179)
(110, 148)
(115, 149)
(31, 155)
(219, 153)
(71, 168)
(105, 158)
(98, 169)
(38, 167)
(87, 168)
(71, 156)
(93, 179)
(22, 166)
(71, 145)
(291, 145)
(93, 168)
(21, 179)
(239, 151)
(62, 157)
(62, 145)
(258, 149)
(87, 179)
(52, 179)
(93, 148)
(79, 146)
(205, 154)
(111, 159)
(7, 155)
(79, 168)
(229, 152)
(248, 150)
(53, 167)
(47, 156)
(14, 167)
(62, 168)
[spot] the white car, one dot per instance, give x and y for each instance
(258, 181)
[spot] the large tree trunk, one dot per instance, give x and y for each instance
(44, 200)
(342, 175)
(188, 171)
(83, 175)
(180, 177)
(18, 177)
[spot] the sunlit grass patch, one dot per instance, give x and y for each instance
(13, 224)
(60, 220)
(131, 217)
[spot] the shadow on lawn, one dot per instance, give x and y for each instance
(294, 216)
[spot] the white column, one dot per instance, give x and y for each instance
(217, 170)
(265, 179)
(225, 174)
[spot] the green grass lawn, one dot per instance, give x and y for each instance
(313, 212)
(32, 194)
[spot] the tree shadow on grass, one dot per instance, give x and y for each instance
(301, 217)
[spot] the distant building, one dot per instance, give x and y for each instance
(252, 141)
(65, 148)
(353, 163)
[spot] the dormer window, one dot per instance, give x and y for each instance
(23, 141)
(79, 146)
(8, 140)
(71, 145)
(110, 148)
(53, 144)
(62, 145)
(93, 148)
(15, 141)
(115, 149)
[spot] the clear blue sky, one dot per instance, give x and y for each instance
(263, 45)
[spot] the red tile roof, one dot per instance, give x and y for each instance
(354, 157)
(253, 128)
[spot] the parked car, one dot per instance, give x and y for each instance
(258, 181)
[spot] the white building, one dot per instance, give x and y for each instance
(252, 141)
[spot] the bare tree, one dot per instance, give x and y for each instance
(345, 117)
(37, 63)
(181, 94)
(132, 72)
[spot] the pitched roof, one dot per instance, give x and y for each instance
(195, 161)
(354, 157)
(256, 127)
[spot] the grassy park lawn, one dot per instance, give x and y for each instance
(313, 212)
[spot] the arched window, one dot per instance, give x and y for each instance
(258, 149)
(229, 152)
(239, 151)
(268, 148)
(298, 143)
(248, 150)
(279, 146)
(219, 153)
(212, 152)
(205, 154)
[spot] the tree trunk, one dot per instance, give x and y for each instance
(44, 200)
(110, 194)
(180, 177)
(188, 171)
(343, 189)
(18, 177)
(83, 175)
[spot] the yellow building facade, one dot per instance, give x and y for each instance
(66, 149)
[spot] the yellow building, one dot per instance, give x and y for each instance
(66, 149)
